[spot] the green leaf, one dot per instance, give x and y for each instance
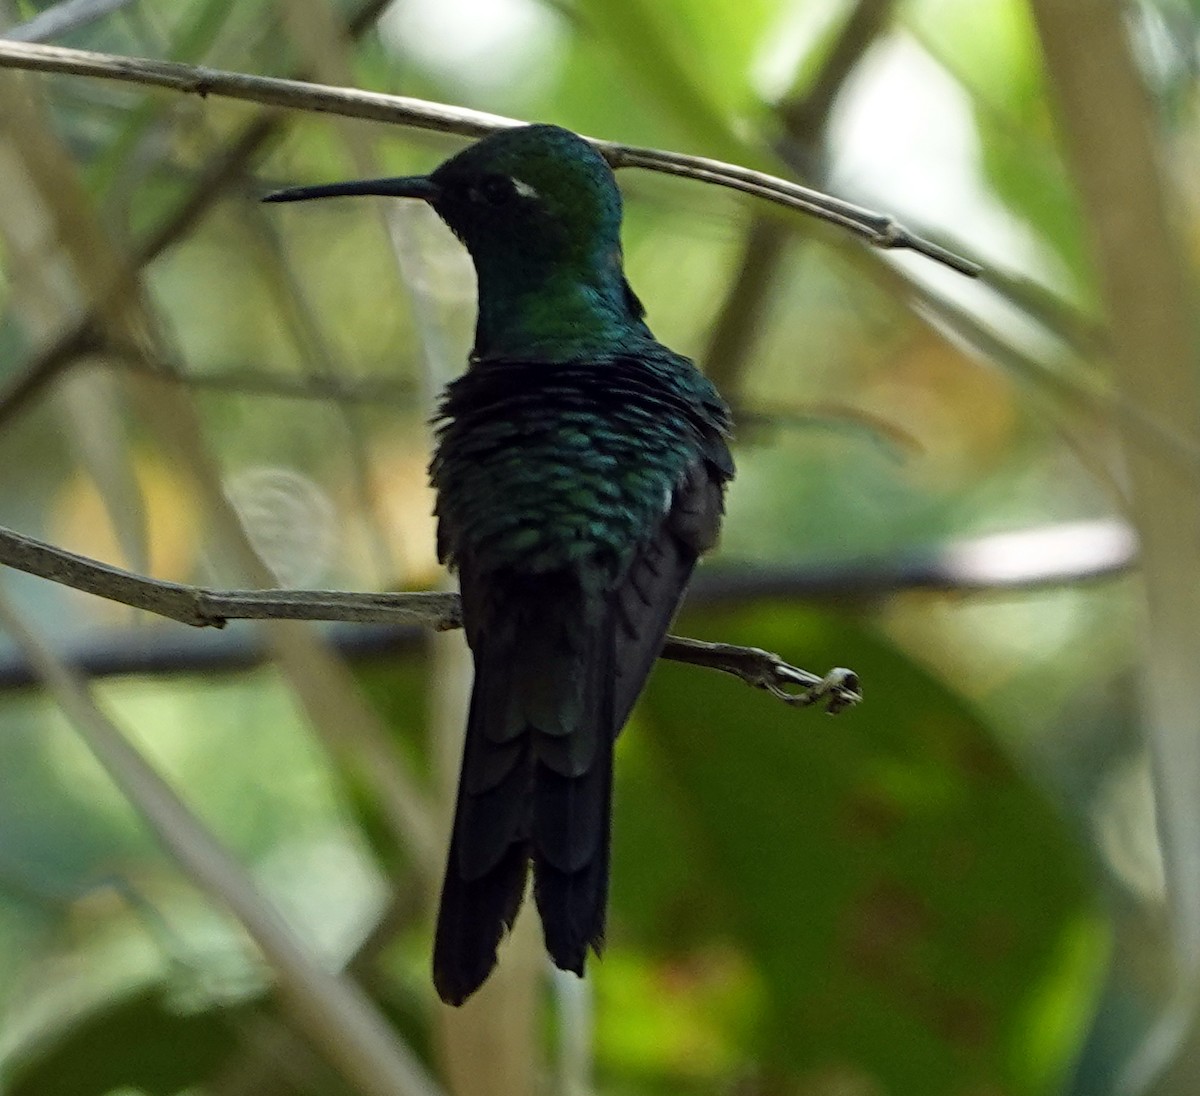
(918, 915)
(690, 62)
(137, 1043)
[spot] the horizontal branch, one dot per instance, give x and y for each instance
(878, 229)
(1041, 557)
(1028, 559)
(203, 608)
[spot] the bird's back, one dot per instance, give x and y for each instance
(542, 466)
(574, 499)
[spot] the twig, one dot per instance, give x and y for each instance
(878, 229)
(839, 689)
(1023, 559)
(1026, 559)
(202, 608)
(332, 1010)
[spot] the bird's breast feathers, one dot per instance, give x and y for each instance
(544, 466)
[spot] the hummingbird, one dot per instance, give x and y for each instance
(580, 471)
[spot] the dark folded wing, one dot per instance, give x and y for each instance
(654, 585)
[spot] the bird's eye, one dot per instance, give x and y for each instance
(496, 190)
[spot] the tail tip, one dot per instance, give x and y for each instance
(456, 982)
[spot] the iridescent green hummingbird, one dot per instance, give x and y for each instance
(580, 472)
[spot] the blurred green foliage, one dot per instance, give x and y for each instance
(908, 900)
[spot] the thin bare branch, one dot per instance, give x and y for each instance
(837, 690)
(1029, 559)
(878, 229)
(1026, 559)
(202, 608)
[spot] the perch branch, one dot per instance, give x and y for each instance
(1030, 559)
(203, 608)
(878, 229)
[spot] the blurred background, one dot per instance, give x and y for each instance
(955, 889)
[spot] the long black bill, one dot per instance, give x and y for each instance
(411, 186)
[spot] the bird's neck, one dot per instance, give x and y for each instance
(554, 312)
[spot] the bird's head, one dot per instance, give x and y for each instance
(529, 195)
(539, 211)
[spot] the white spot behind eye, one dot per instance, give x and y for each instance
(524, 189)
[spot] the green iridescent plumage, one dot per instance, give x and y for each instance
(580, 473)
(539, 472)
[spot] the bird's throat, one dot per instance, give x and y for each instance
(563, 315)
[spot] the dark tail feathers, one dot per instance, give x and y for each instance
(535, 786)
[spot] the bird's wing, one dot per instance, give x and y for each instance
(649, 595)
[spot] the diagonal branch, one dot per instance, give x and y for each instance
(878, 229)
(805, 118)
